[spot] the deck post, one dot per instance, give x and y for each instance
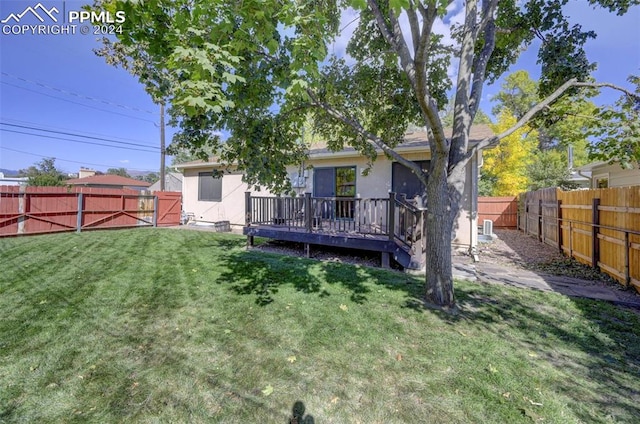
(386, 260)
(307, 212)
(247, 215)
(391, 218)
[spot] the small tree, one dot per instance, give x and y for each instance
(118, 171)
(44, 173)
(506, 164)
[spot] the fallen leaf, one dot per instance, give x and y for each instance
(267, 390)
(343, 307)
(506, 394)
(194, 270)
(227, 331)
(398, 357)
(292, 359)
(533, 354)
(42, 302)
(492, 369)
(335, 400)
(464, 335)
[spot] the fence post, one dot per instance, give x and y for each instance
(559, 220)
(23, 208)
(627, 271)
(307, 212)
(595, 230)
(391, 217)
(156, 203)
(80, 211)
(540, 235)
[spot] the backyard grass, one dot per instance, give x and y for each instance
(161, 325)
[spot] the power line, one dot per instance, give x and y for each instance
(78, 103)
(79, 135)
(78, 141)
(74, 161)
(45, 126)
(84, 96)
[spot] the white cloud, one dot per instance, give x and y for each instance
(124, 161)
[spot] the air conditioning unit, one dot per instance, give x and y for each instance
(487, 227)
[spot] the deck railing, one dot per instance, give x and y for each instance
(393, 216)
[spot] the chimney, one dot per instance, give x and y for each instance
(570, 156)
(86, 172)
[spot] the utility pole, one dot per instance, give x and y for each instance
(162, 149)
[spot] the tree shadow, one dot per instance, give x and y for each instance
(609, 348)
(262, 274)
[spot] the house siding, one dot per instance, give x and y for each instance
(377, 184)
(618, 177)
(231, 206)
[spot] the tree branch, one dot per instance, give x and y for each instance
(370, 137)
(480, 66)
(493, 141)
(414, 25)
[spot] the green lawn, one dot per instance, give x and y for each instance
(161, 325)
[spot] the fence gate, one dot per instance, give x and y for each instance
(169, 208)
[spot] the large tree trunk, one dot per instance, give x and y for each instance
(441, 214)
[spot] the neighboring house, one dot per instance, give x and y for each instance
(172, 182)
(603, 175)
(333, 174)
(13, 181)
(109, 181)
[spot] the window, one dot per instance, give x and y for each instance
(346, 182)
(601, 181)
(403, 181)
(209, 188)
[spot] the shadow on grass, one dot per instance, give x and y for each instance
(609, 344)
(262, 274)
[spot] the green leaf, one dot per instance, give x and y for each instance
(267, 390)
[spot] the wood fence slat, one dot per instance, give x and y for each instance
(39, 210)
(598, 226)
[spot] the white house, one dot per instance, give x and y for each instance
(332, 174)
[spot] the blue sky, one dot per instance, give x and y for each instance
(56, 83)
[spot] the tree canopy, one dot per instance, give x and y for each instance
(258, 68)
(44, 173)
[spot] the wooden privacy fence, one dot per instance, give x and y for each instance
(503, 211)
(38, 210)
(599, 227)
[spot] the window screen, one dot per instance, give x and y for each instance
(209, 188)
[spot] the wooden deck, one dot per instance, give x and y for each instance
(389, 226)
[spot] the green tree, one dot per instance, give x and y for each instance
(255, 67)
(44, 173)
(618, 139)
(118, 171)
(549, 169)
(518, 93)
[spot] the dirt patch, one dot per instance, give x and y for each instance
(322, 253)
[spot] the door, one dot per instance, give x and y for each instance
(324, 185)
